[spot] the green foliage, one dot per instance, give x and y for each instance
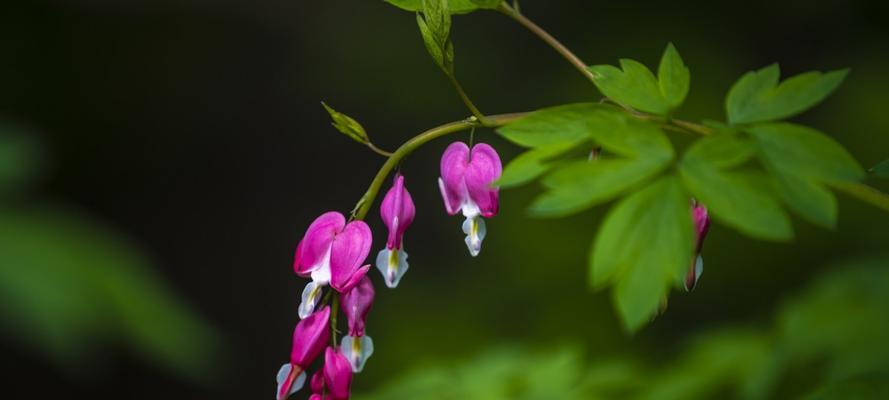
(802, 161)
(346, 125)
(65, 282)
(881, 170)
(19, 159)
(435, 28)
(533, 163)
(644, 244)
(833, 333)
(735, 198)
(634, 85)
(455, 6)
(757, 96)
(547, 126)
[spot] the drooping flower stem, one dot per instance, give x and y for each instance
(549, 39)
(335, 306)
(367, 201)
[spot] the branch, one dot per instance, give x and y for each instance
(366, 201)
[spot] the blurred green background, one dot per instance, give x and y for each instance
(161, 159)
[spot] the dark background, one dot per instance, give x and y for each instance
(194, 127)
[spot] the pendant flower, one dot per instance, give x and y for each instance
(337, 374)
(331, 251)
(356, 346)
(466, 185)
(702, 226)
(309, 338)
(397, 210)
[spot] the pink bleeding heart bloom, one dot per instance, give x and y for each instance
(466, 183)
(397, 211)
(309, 338)
(356, 346)
(332, 251)
(702, 226)
(337, 374)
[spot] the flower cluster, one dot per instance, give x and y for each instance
(333, 251)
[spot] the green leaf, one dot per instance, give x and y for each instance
(634, 86)
(804, 152)
(20, 158)
(880, 170)
(455, 6)
(735, 199)
(864, 193)
(487, 3)
(673, 77)
(808, 199)
(67, 283)
(435, 28)
(533, 163)
(347, 125)
(551, 125)
(643, 246)
(583, 184)
(757, 96)
(722, 150)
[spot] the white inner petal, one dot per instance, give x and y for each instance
(284, 373)
(321, 273)
(475, 231)
(310, 298)
(699, 268)
(392, 265)
(357, 350)
(470, 209)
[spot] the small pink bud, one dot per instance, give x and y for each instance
(337, 374)
(702, 226)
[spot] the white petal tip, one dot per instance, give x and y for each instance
(286, 379)
(357, 350)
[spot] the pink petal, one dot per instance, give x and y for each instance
(317, 382)
(316, 243)
(297, 257)
(397, 210)
(356, 303)
(310, 337)
(337, 374)
(484, 168)
(352, 280)
(454, 162)
(349, 250)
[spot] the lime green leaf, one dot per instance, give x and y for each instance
(805, 152)
(881, 170)
(583, 184)
(758, 97)
(455, 6)
(435, 28)
(643, 246)
(551, 125)
(634, 86)
(723, 150)
(487, 3)
(673, 77)
(533, 163)
(864, 193)
(734, 198)
(347, 125)
(808, 199)
(66, 282)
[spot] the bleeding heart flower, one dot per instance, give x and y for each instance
(337, 374)
(309, 338)
(397, 210)
(702, 226)
(331, 251)
(356, 346)
(466, 185)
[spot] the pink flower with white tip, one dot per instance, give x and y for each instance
(337, 375)
(466, 184)
(702, 226)
(397, 211)
(357, 347)
(331, 252)
(309, 338)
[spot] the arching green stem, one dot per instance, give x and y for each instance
(366, 201)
